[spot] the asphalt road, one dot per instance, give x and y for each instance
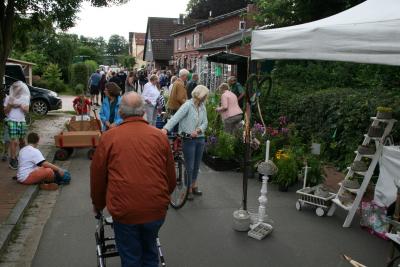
(201, 235)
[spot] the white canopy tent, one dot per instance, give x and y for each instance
(366, 33)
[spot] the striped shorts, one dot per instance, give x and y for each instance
(16, 129)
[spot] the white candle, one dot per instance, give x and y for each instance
(267, 152)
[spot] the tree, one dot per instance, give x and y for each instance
(117, 45)
(279, 13)
(200, 9)
(61, 13)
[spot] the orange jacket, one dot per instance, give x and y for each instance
(133, 172)
(178, 95)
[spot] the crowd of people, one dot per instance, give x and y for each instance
(133, 162)
(138, 145)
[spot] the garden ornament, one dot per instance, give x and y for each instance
(261, 229)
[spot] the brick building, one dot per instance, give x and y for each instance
(228, 32)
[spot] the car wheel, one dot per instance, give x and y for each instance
(40, 107)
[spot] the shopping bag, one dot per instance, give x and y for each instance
(374, 220)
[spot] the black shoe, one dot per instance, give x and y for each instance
(190, 196)
(13, 164)
(4, 157)
(196, 191)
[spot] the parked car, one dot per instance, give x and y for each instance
(42, 100)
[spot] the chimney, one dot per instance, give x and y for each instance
(251, 9)
(181, 20)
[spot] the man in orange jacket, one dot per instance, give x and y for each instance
(133, 175)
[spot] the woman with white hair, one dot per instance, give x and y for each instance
(192, 119)
(16, 105)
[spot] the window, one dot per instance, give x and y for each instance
(187, 43)
(242, 25)
(196, 40)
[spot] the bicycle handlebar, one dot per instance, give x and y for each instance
(182, 135)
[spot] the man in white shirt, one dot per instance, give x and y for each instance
(150, 95)
(16, 104)
(33, 167)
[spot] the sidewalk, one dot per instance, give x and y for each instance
(15, 197)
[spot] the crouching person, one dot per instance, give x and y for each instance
(33, 167)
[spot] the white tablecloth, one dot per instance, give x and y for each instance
(389, 176)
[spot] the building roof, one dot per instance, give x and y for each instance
(202, 23)
(140, 37)
(17, 61)
(226, 40)
(160, 32)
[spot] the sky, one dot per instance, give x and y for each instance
(130, 17)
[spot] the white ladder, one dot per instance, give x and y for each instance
(379, 143)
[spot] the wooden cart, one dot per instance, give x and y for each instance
(80, 134)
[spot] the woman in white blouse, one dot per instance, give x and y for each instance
(150, 95)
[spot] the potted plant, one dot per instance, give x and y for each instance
(384, 113)
(220, 152)
(287, 170)
(375, 131)
(314, 174)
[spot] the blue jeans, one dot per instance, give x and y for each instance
(137, 243)
(193, 152)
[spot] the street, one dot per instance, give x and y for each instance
(200, 234)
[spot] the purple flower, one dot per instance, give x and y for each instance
(213, 140)
(282, 120)
(285, 131)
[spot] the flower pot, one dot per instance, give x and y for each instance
(351, 184)
(218, 164)
(384, 115)
(283, 188)
(366, 150)
(359, 166)
(375, 131)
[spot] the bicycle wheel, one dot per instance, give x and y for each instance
(179, 196)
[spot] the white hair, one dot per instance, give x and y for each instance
(199, 92)
(132, 111)
(183, 72)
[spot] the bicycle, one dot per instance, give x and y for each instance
(181, 191)
(106, 247)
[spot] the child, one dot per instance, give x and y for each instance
(81, 105)
(33, 167)
(16, 104)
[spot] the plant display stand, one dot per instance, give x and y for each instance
(372, 137)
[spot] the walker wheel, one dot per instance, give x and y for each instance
(61, 154)
(90, 153)
(320, 212)
(298, 205)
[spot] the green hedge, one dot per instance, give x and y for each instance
(335, 117)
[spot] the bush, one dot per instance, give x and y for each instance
(79, 89)
(335, 117)
(92, 65)
(52, 78)
(79, 74)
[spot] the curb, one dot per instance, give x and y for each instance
(7, 228)
(16, 215)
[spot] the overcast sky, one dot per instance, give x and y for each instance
(131, 17)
